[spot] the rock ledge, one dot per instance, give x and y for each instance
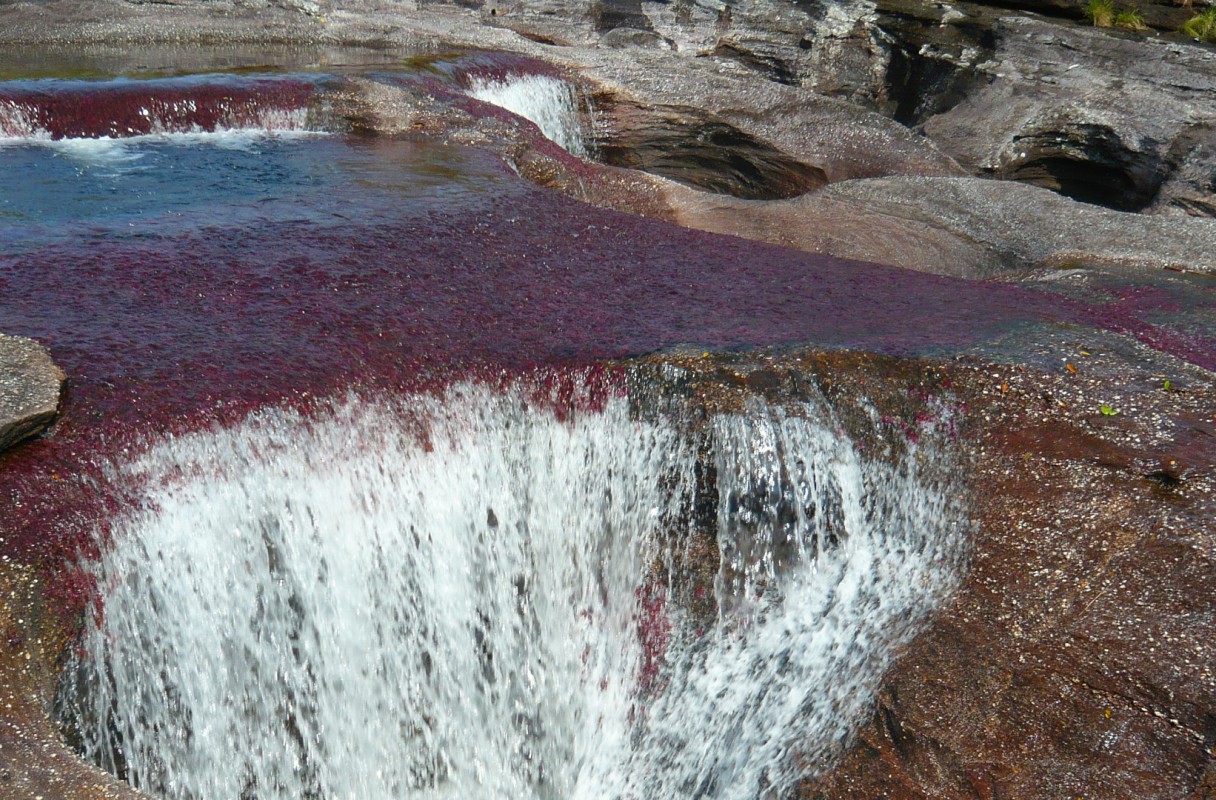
(30, 385)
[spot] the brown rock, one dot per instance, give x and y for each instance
(1076, 659)
(30, 384)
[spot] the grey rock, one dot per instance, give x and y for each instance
(1191, 187)
(778, 74)
(841, 227)
(833, 135)
(632, 37)
(931, 56)
(688, 145)
(1093, 116)
(1031, 226)
(966, 227)
(30, 385)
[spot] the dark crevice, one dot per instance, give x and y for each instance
(1056, 9)
(1088, 163)
(541, 39)
(695, 148)
(1084, 181)
(927, 73)
(771, 67)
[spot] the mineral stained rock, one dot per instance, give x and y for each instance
(1076, 660)
(30, 384)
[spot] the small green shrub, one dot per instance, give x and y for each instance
(1102, 12)
(1202, 26)
(1130, 20)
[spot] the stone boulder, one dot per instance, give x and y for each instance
(30, 385)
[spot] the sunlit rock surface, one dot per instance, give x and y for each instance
(1056, 112)
(959, 226)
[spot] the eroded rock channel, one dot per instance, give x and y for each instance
(409, 448)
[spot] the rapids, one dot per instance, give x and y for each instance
(470, 595)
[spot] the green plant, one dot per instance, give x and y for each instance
(1102, 12)
(1129, 19)
(1107, 410)
(1202, 26)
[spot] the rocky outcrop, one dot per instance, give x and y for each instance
(839, 139)
(30, 385)
(1108, 118)
(34, 760)
(1076, 659)
(967, 227)
(1055, 112)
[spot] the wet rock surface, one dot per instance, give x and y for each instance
(30, 385)
(1077, 657)
(34, 759)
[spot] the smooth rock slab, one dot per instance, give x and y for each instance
(30, 384)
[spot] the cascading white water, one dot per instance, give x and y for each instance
(453, 597)
(550, 103)
(18, 125)
(16, 122)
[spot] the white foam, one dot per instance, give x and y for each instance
(439, 598)
(117, 156)
(15, 121)
(17, 127)
(551, 104)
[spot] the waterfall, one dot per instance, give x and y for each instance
(53, 110)
(550, 103)
(476, 595)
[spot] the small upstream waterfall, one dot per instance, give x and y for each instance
(550, 103)
(53, 110)
(473, 596)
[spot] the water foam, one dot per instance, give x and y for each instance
(550, 103)
(17, 121)
(53, 110)
(455, 597)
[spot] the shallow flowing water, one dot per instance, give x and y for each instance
(550, 103)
